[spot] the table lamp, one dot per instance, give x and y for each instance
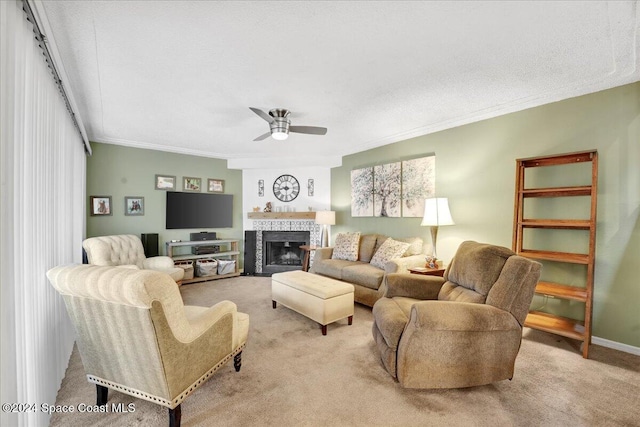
(325, 218)
(436, 213)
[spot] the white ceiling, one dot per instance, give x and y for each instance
(179, 76)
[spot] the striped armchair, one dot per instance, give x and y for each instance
(135, 335)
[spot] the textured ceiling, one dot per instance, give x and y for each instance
(180, 75)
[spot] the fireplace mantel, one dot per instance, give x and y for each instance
(282, 215)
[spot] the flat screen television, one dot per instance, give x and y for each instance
(199, 210)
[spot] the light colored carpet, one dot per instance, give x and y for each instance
(293, 376)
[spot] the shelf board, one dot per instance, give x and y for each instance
(555, 324)
(208, 278)
(555, 256)
(194, 256)
(281, 215)
(569, 224)
(562, 159)
(562, 291)
(582, 190)
(199, 242)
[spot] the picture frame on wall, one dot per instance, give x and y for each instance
(387, 180)
(191, 184)
(261, 188)
(165, 182)
(310, 187)
(418, 184)
(100, 205)
(362, 192)
(134, 206)
(215, 185)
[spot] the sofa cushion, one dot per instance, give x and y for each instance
(332, 267)
(367, 247)
(389, 250)
(346, 246)
(415, 246)
(363, 274)
(452, 292)
(380, 239)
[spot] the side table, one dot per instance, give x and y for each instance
(307, 254)
(427, 271)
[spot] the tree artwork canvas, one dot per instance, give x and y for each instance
(418, 184)
(362, 192)
(387, 190)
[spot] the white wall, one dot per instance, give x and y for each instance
(321, 200)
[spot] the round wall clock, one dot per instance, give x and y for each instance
(286, 188)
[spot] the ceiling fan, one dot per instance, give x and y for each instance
(278, 119)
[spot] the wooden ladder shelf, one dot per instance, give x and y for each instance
(571, 328)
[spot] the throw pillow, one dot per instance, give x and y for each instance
(389, 250)
(415, 246)
(346, 246)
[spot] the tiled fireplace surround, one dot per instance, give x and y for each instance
(261, 225)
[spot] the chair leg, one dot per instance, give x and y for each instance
(102, 393)
(237, 361)
(175, 415)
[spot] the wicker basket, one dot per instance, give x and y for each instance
(226, 266)
(206, 267)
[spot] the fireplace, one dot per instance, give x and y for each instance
(281, 250)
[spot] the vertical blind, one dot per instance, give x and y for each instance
(42, 219)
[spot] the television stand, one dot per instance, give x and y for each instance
(231, 253)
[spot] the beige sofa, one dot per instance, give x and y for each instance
(367, 279)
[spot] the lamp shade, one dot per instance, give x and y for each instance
(326, 218)
(436, 212)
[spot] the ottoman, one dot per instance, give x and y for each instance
(319, 298)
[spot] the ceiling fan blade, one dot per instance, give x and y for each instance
(263, 136)
(262, 114)
(313, 130)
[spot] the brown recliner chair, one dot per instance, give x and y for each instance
(460, 330)
(136, 336)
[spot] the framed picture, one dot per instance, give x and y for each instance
(191, 184)
(418, 184)
(386, 190)
(310, 187)
(261, 188)
(100, 205)
(165, 182)
(134, 206)
(362, 192)
(215, 185)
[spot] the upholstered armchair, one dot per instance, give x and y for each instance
(127, 249)
(460, 330)
(135, 335)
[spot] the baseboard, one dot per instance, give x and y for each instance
(616, 345)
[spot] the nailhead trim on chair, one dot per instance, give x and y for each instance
(160, 401)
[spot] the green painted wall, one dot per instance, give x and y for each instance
(475, 169)
(118, 171)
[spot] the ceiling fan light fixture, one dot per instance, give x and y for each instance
(280, 136)
(280, 125)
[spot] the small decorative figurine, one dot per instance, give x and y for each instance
(267, 208)
(432, 262)
(256, 209)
